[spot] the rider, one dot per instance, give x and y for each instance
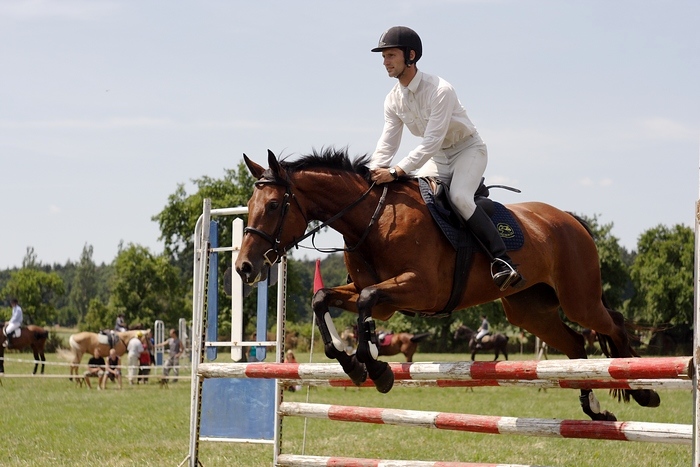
(120, 324)
(14, 323)
(451, 148)
(482, 331)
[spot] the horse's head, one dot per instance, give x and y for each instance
(274, 222)
(463, 332)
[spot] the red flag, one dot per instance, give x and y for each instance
(318, 280)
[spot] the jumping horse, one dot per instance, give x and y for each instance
(497, 342)
(399, 260)
(30, 336)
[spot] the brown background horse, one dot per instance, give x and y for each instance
(86, 342)
(398, 259)
(402, 342)
(497, 342)
(32, 336)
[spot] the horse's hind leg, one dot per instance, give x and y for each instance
(536, 310)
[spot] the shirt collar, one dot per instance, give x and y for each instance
(413, 85)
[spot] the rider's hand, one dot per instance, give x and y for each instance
(381, 175)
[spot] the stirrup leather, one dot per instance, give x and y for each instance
(506, 278)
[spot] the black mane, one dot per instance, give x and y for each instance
(330, 158)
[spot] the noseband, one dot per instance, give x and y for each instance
(280, 251)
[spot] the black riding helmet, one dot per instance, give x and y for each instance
(404, 38)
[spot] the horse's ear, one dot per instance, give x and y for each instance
(273, 163)
(255, 169)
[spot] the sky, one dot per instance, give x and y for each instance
(107, 106)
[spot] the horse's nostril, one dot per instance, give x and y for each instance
(245, 268)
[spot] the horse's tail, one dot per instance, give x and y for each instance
(66, 355)
(420, 337)
(43, 334)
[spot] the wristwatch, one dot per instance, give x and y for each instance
(392, 172)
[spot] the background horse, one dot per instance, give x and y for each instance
(402, 342)
(31, 336)
(86, 343)
(399, 260)
(497, 342)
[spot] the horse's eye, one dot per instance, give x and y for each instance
(273, 205)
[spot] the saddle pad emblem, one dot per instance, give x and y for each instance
(505, 230)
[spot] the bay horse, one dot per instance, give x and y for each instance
(399, 260)
(86, 342)
(31, 336)
(497, 342)
(402, 342)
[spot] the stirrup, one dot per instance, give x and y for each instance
(504, 278)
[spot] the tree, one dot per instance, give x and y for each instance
(177, 220)
(37, 292)
(84, 287)
(614, 269)
(146, 288)
(662, 274)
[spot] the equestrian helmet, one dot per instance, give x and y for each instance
(401, 37)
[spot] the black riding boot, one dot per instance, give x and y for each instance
(503, 271)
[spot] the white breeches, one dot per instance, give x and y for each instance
(461, 169)
(11, 327)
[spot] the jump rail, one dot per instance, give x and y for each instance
(291, 460)
(582, 429)
(604, 369)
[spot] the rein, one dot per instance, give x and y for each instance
(279, 251)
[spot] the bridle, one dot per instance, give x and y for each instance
(280, 251)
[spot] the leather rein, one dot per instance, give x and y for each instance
(280, 251)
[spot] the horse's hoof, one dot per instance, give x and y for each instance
(382, 376)
(606, 416)
(646, 398)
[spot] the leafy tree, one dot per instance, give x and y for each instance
(84, 287)
(98, 317)
(37, 292)
(146, 288)
(614, 262)
(663, 277)
(177, 220)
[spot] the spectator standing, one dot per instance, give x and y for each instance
(134, 349)
(175, 350)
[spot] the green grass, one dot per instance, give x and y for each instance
(52, 422)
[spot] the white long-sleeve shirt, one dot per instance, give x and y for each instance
(17, 316)
(430, 109)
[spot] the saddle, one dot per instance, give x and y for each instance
(384, 339)
(109, 337)
(436, 197)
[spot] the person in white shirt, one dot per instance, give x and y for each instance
(451, 148)
(134, 349)
(14, 323)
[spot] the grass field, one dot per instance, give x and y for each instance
(51, 422)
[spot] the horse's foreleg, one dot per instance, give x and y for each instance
(333, 344)
(368, 346)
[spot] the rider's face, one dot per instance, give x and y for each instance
(394, 62)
